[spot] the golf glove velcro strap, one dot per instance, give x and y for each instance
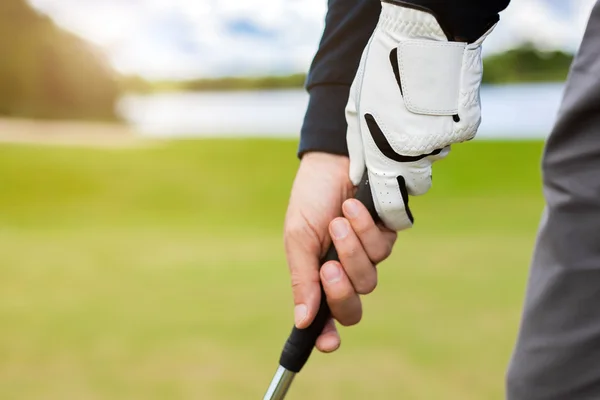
(414, 95)
(430, 75)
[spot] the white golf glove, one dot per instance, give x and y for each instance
(415, 94)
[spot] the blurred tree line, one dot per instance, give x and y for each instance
(46, 72)
(520, 65)
(139, 85)
(526, 64)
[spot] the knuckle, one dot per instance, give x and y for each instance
(341, 295)
(302, 283)
(381, 252)
(294, 229)
(296, 280)
(299, 234)
(349, 250)
(364, 226)
(351, 319)
(420, 188)
(396, 217)
(298, 285)
(366, 285)
(419, 183)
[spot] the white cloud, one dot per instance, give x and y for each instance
(182, 38)
(546, 23)
(186, 38)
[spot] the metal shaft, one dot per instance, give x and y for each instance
(280, 384)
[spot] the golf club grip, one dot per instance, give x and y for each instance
(301, 342)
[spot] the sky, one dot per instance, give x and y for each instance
(181, 39)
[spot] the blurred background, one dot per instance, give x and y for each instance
(147, 150)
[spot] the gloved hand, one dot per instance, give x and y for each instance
(415, 94)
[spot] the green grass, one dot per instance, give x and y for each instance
(159, 273)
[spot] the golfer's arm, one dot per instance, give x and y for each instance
(348, 26)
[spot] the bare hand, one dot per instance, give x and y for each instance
(321, 209)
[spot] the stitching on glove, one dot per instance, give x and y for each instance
(470, 98)
(411, 28)
(472, 57)
(465, 133)
(386, 148)
(417, 144)
(410, 5)
(425, 43)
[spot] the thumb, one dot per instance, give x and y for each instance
(302, 252)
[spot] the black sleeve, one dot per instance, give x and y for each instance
(348, 27)
(462, 20)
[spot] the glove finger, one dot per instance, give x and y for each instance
(441, 155)
(418, 175)
(390, 196)
(391, 189)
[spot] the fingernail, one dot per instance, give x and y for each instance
(340, 229)
(331, 273)
(300, 312)
(351, 209)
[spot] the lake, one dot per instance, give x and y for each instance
(509, 112)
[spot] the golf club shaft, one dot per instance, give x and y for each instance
(280, 384)
(301, 342)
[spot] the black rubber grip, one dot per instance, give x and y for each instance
(301, 342)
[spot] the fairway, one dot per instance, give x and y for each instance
(159, 273)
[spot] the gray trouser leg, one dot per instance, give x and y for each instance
(557, 355)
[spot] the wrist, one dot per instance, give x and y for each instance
(402, 19)
(324, 158)
(459, 24)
